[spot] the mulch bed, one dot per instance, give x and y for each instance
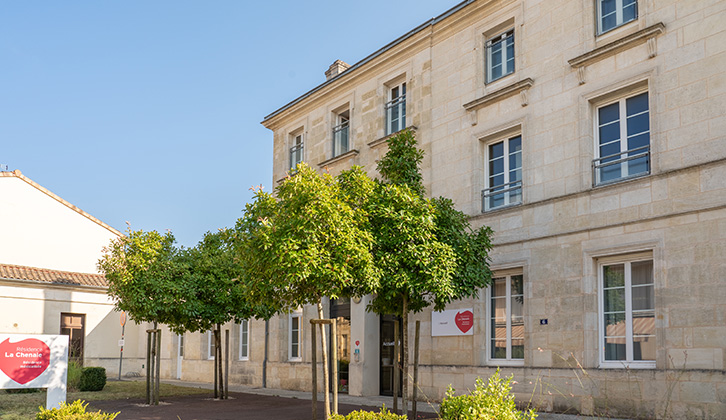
(238, 406)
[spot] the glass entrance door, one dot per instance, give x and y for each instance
(387, 354)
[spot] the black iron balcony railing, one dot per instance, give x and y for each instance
(620, 166)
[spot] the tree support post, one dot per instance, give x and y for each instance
(396, 365)
(334, 340)
(158, 366)
(322, 323)
(314, 357)
(415, 368)
(226, 363)
(148, 367)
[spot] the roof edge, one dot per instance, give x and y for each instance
(370, 57)
(17, 174)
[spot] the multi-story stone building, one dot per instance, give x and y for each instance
(591, 136)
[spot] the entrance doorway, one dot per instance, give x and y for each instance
(74, 326)
(179, 356)
(388, 363)
(340, 311)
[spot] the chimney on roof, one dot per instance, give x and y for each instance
(336, 68)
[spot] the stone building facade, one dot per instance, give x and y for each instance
(591, 136)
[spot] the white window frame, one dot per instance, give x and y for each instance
(622, 120)
(500, 38)
(618, 16)
(400, 102)
(508, 361)
(295, 144)
(210, 353)
(341, 123)
(298, 357)
(487, 175)
(626, 260)
(244, 339)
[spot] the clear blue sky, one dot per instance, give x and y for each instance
(149, 111)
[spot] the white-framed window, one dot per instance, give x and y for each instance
(211, 345)
(627, 312)
(503, 173)
(244, 340)
(341, 132)
(505, 329)
(296, 150)
(396, 109)
(295, 337)
(622, 135)
(614, 13)
(500, 56)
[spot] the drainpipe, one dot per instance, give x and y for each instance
(264, 361)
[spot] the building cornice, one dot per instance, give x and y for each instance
(398, 46)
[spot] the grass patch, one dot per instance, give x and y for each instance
(25, 406)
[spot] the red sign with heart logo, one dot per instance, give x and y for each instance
(464, 320)
(25, 360)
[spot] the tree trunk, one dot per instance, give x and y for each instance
(404, 350)
(414, 414)
(148, 367)
(326, 378)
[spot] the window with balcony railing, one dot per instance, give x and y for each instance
(504, 174)
(341, 143)
(623, 140)
(396, 109)
(296, 151)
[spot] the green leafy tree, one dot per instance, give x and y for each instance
(143, 272)
(425, 248)
(215, 293)
(306, 242)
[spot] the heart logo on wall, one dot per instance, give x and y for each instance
(464, 320)
(25, 360)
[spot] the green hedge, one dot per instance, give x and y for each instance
(92, 379)
(490, 401)
(74, 411)
(368, 415)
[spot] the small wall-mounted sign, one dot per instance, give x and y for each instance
(452, 322)
(543, 321)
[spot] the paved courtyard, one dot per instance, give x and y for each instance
(239, 406)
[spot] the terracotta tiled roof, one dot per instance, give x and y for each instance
(44, 275)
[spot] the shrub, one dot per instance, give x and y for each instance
(23, 390)
(74, 411)
(74, 376)
(368, 415)
(92, 379)
(488, 401)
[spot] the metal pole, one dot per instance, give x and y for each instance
(314, 357)
(334, 357)
(415, 367)
(121, 355)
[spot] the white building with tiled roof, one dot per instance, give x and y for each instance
(49, 283)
